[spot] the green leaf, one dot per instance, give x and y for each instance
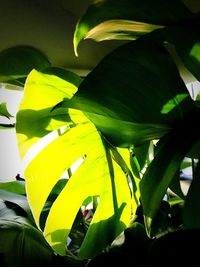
(19, 200)
(127, 19)
(101, 173)
(17, 62)
(4, 126)
(4, 111)
(175, 185)
(22, 245)
(35, 118)
(194, 151)
(141, 152)
(125, 106)
(165, 165)
(189, 53)
(174, 245)
(191, 217)
(8, 212)
(16, 86)
(17, 187)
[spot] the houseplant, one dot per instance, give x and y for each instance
(129, 123)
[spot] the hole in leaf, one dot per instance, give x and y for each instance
(82, 223)
(57, 190)
(69, 172)
(58, 187)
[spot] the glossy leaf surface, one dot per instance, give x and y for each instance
(130, 97)
(127, 19)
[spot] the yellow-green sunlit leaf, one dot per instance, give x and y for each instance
(127, 19)
(92, 178)
(45, 89)
(101, 173)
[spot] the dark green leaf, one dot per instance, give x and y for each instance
(175, 185)
(165, 165)
(161, 220)
(194, 151)
(187, 45)
(23, 245)
(172, 248)
(17, 62)
(128, 19)
(141, 152)
(130, 97)
(191, 215)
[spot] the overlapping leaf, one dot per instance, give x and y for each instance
(135, 94)
(189, 53)
(17, 62)
(22, 245)
(165, 165)
(101, 173)
(128, 19)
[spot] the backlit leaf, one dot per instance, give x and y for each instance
(35, 115)
(101, 173)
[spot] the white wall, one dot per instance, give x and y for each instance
(10, 164)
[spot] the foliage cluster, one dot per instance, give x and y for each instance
(128, 126)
